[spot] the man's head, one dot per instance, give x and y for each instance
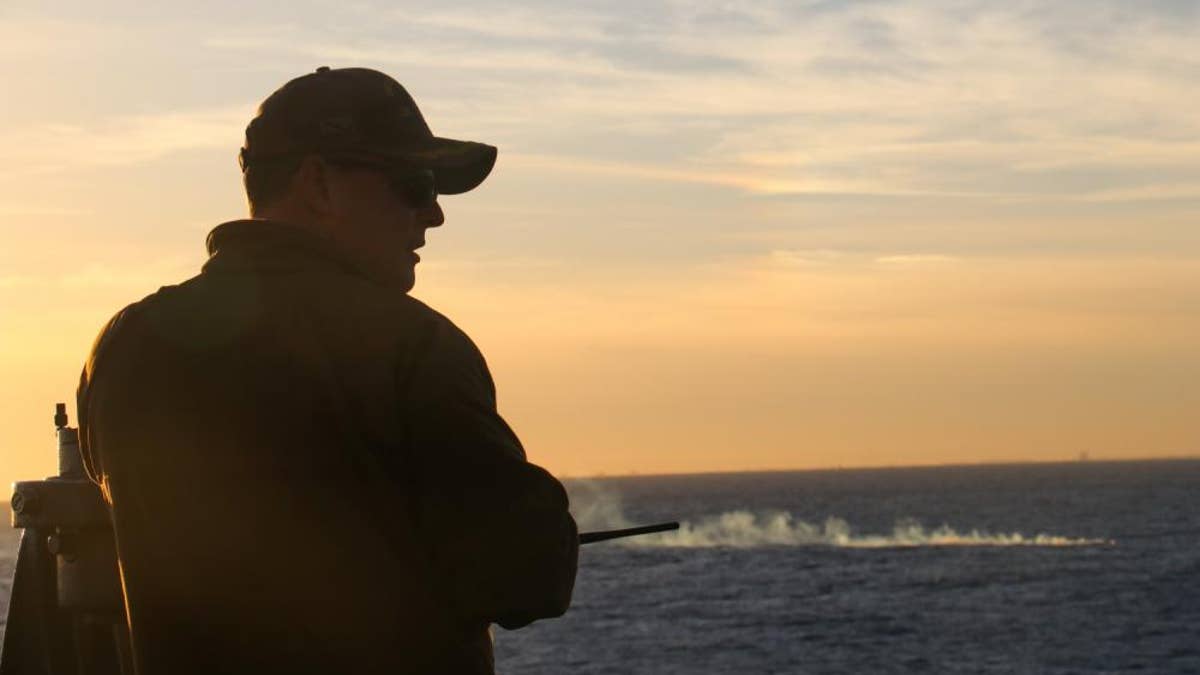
(347, 153)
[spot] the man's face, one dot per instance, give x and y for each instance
(377, 224)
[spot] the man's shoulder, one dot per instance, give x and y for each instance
(200, 313)
(443, 322)
(131, 321)
(448, 340)
(194, 313)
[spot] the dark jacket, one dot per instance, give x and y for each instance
(307, 473)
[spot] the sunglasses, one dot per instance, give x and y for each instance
(417, 187)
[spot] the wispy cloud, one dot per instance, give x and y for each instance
(9, 210)
(937, 97)
(941, 97)
(100, 277)
(145, 277)
(124, 140)
(914, 259)
(25, 35)
(559, 23)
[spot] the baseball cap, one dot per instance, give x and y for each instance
(359, 114)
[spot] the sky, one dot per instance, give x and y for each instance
(720, 236)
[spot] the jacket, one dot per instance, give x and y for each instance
(307, 473)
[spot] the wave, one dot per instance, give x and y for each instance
(744, 529)
(597, 509)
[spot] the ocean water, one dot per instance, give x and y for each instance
(1067, 568)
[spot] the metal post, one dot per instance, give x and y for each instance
(66, 613)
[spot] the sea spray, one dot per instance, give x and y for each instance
(743, 529)
(596, 507)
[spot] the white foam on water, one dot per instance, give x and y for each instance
(744, 529)
(598, 509)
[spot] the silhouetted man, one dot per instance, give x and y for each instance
(305, 465)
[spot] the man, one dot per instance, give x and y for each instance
(305, 466)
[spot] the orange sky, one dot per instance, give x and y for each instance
(714, 240)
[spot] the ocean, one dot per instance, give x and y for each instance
(1041, 568)
(1086, 567)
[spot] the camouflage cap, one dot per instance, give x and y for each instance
(360, 114)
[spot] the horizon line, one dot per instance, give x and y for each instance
(885, 467)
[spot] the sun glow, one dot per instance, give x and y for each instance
(764, 237)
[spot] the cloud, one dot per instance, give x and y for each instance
(805, 258)
(1075, 101)
(916, 99)
(1189, 191)
(555, 24)
(10, 210)
(761, 184)
(123, 140)
(146, 276)
(28, 36)
(914, 259)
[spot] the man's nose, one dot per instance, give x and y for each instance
(433, 216)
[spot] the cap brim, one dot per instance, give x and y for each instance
(458, 166)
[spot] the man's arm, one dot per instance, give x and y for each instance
(83, 394)
(501, 536)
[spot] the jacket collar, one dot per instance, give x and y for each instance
(271, 244)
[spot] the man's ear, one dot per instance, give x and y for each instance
(311, 182)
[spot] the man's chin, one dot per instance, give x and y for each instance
(402, 280)
(406, 280)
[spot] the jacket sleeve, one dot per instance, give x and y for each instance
(500, 535)
(101, 349)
